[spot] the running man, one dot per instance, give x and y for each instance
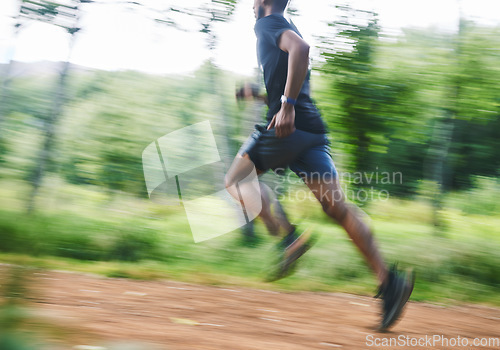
(295, 137)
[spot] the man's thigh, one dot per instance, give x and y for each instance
(270, 152)
(316, 164)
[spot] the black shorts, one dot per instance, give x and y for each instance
(305, 153)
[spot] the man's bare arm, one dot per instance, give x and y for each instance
(298, 63)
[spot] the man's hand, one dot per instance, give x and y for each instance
(284, 121)
(250, 91)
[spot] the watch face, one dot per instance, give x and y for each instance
(288, 100)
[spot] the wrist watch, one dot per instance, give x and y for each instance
(288, 100)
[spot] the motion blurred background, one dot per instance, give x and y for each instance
(409, 90)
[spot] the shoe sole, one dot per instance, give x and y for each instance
(405, 296)
(286, 266)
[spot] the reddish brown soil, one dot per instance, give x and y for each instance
(172, 315)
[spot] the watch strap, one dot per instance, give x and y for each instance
(288, 100)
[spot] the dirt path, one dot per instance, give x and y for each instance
(173, 315)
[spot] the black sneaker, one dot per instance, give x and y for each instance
(394, 294)
(292, 247)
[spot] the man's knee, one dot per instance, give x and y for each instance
(228, 181)
(335, 210)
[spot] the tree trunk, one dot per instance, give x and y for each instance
(49, 136)
(5, 90)
(438, 153)
(443, 135)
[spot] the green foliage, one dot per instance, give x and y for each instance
(13, 292)
(133, 247)
(379, 105)
(77, 238)
(424, 104)
(14, 341)
(60, 14)
(480, 199)
(478, 265)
